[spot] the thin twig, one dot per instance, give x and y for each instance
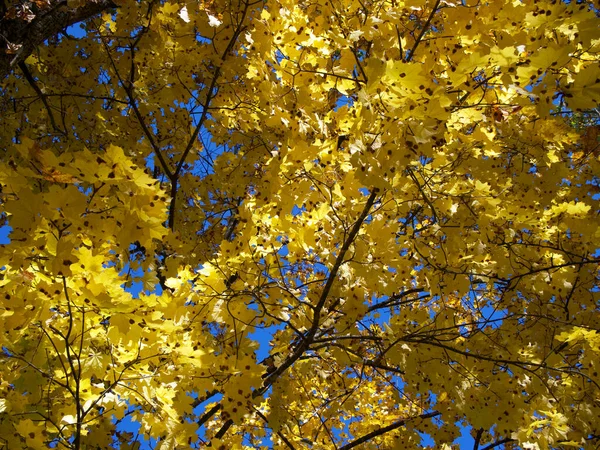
(41, 96)
(281, 436)
(211, 93)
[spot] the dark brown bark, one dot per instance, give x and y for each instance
(24, 26)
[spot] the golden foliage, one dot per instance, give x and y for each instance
(383, 198)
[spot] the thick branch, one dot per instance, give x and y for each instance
(26, 36)
(224, 429)
(478, 439)
(128, 87)
(208, 414)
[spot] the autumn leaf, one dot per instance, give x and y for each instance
(299, 225)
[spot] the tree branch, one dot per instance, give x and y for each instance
(478, 439)
(40, 94)
(209, 96)
(208, 414)
(224, 429)
(425, 198)
(281, 436)
(423, 31)
(310, 334)
(395, 300)
(26, 36)
(496, 444)
(387, 429)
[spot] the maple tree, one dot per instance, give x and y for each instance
(386, 190)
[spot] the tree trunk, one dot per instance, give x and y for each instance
(24, 25)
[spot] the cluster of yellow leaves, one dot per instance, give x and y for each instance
(384, 190)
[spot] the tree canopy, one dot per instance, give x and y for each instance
(299, 224)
